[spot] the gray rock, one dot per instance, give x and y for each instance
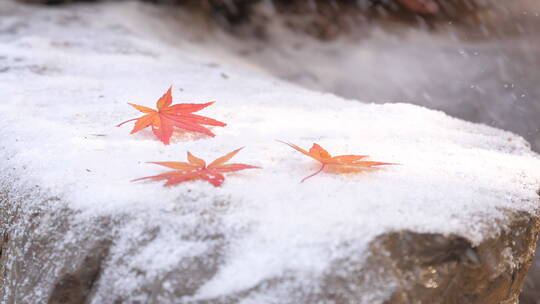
(69, 261)
(456, 222)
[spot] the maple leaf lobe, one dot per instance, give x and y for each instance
(196, 161)
(165, 100)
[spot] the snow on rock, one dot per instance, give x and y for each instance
(75, 227)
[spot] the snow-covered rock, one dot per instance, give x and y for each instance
(456, 222)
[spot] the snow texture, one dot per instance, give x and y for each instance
(66, 76)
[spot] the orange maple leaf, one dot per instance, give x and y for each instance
(168, 116)
(342, 163)
(196, 168)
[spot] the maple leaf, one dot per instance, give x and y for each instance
(341, 163)
(196, 168)
(168, 116)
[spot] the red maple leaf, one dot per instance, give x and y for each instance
(196, 168)
(340, 163)
(168, 116)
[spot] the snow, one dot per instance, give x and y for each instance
(71, 72)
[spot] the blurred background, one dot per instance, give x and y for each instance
(478, 60)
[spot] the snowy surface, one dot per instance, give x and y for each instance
(66, 76)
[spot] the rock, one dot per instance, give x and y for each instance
(531, 290)
(455, 222)
(436, 269)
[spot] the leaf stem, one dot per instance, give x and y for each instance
(125, 122)
(319, 171)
